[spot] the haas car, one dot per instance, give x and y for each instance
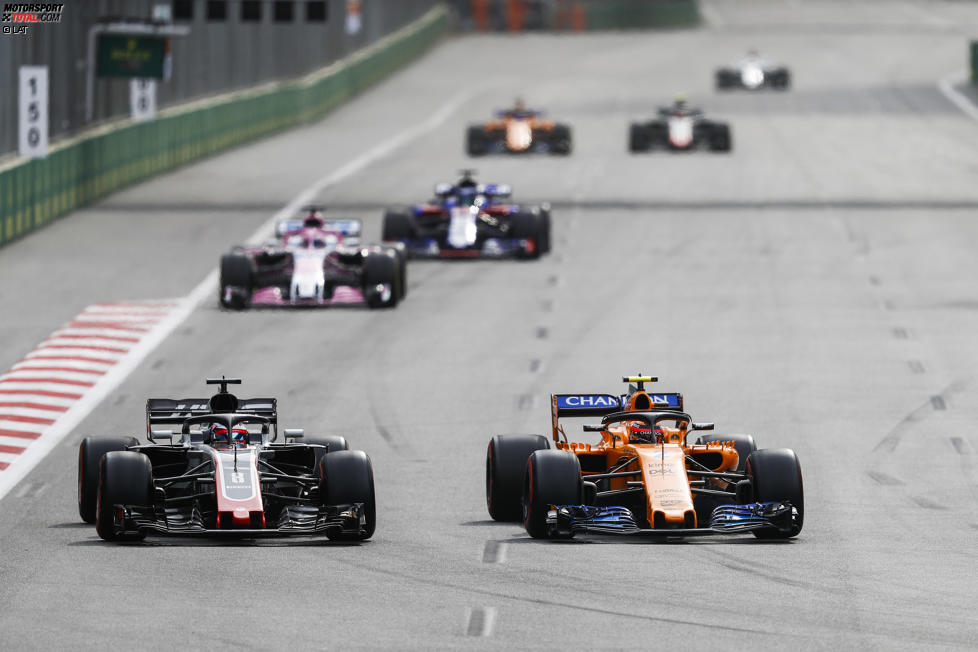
(679, 128)
(221, 472)
(518, 131)
(753, 73)
(468, 219)
(313, 261)
(642, 476)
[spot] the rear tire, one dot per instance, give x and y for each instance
(380, 268)
(333, 443)
(530, 226)
(775, 476)
(476, 142)
(125, 478)
(553, 477)
(638, 138)
(505, 464)
(743, 443)
(90, 453)
(720, 140)
(398, 226)
(347, 477)
(561, 142)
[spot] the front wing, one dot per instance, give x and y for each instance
(295, 520)
(568, 520)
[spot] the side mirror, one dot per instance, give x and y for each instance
(503, 190)
(701, 426)
(443, 189)
(590, 428)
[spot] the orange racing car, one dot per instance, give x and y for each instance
(517, 131)
(642, 477)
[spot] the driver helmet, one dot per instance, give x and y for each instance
(646, 433)
(519, 105)
(218, 434)
(680, 102)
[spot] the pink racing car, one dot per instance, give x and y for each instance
(314, 262)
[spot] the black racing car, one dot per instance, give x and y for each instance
(221, 472)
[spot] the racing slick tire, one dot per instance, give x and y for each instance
(400, 253)
(505, 464)
(743, 443)
(775, 476)
(237, 274)
(725, 79)
(561, 142)
(638, 138)
(347, 477)
(476, 142)
(90, 452)
(530, 226)
(719, 137)
(398, 226)
(381, 268)
(552, 477)
(544, 244)
(780, 79)
(333, 443)
(125, 478)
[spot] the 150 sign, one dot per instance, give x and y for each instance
(33, 136)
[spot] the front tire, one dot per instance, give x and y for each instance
(638, 138)
(90, 453)
(237, 274)
(530, 226)
(476, 142)
(775, 476)
(347, 477)
(553, 477)
(380, 268)
(505, 464)
(125, 478)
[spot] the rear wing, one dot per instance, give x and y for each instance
(599, 405)
(161, 411)
(349, 228)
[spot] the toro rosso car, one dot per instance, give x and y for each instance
(642, 476)
(679, 128)
(753, 73)
(313, 262)
(518, 131)
(468, 219)
(220, 472)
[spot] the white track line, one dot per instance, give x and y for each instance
(946, 86)
(37, 449)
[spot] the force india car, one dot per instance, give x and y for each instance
(753, 73)
(643, 477)
(679, 128)
(518, 131)
(221, 473)
(314, 262)
(468, 219)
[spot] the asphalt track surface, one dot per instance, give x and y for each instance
(816, 288)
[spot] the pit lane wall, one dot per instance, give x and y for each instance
(974, 62)
(575, 15)
(80, 171)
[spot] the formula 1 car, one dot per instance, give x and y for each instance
(314, 262)
(468, 219)
(221, 473)
(518, 130)
(642, 477)
(753, 73)
(679, 128)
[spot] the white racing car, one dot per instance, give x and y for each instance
(753, 73)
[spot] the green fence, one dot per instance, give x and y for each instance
(35, 192)
(641, 14)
